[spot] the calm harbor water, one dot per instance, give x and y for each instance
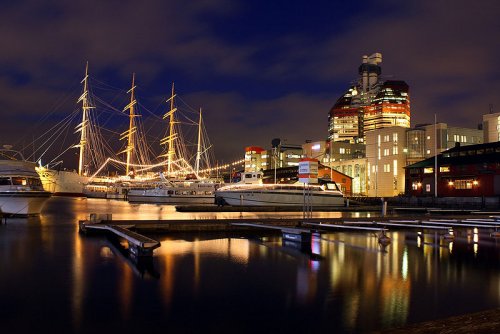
(54, 279)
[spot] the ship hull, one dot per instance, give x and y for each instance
(23, 203)
(277, 198)
(171, 199)
(195, 193)
(63, 182)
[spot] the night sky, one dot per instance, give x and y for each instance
(259, 69)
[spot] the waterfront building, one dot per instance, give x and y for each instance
(280, 155)
(369, 104)
(491, 127)
(357, 170)
(329, 152)
(285, 155)
(462, 171)
(255, 159)
(316, 150)
(386, 161)
(425, 140)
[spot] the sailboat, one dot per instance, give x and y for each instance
(70, 182)
(117, 187)
(171, 189)
(95, 154)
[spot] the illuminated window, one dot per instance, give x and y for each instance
(463, 184)
(444, 169)
(19, 181)
(387, 168)
(428, 170)
(395, 150)
(386, 152)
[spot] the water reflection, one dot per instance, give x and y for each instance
(80, 208)
(342, 282)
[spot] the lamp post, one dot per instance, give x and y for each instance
(435, 157)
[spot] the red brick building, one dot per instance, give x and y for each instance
(467, 171)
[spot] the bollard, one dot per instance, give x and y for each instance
(384, 207)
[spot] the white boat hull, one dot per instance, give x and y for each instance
(142, 197)
(23, 204)
(194, 193)
(277, 198)
(63, 182)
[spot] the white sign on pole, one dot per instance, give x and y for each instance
(308, 171)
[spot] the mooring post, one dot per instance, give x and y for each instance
(241, 206)
(384, 207)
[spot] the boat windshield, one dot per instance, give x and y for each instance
(331, 186)
(5, 181)
(19, 181)
(22, 181)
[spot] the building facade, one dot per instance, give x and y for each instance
(427, 140)
(328, 153)
(282, 155)
(386, 161)
(255, 159)
(357, 169)
(491, 127)
(370, 104)
(462, 171)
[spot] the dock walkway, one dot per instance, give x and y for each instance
(139, 245)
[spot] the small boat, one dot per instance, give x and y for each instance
(21, 191)
(114, 188)
(250, 191)
(178, 192)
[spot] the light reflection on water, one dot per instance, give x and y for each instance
(80, 208)
(195, 283)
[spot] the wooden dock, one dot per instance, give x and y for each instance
(139, 245)
(296, 234)
(294, 229)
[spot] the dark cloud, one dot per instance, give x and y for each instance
(260, 70)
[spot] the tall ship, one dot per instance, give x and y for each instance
(60, 181)
(21, 191)
(102, 173)
(175, 186)
(250, 191)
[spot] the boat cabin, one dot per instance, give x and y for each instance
(251, 178)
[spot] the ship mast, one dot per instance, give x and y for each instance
(82, 127)
(129, 134)
(169, 140)
(198, 150)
